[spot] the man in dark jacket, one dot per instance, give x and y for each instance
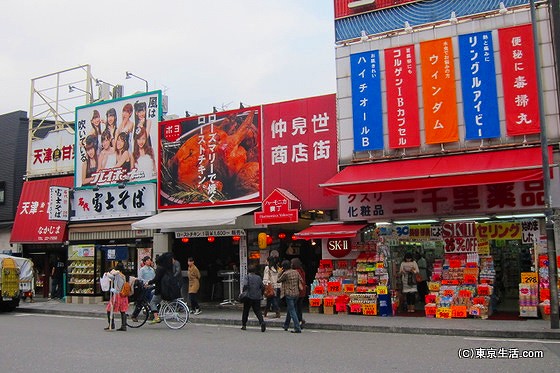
(254, 287)
(164, 263)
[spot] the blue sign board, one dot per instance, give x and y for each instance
(478, 80)
(366, 101)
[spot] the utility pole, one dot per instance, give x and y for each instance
(548, 210)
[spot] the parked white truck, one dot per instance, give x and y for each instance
(16, 277)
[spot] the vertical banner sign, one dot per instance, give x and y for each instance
(478, 77)
(366, 101)
(402, 97)
(299, 148)
(59, 203)
(520, 80)
(438, 88)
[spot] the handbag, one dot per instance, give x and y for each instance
(418, 277)
(269, 291)
(243, 296)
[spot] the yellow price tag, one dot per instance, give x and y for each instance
(529, 278)
(381, 289)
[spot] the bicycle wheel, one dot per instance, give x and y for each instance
(175, 314)
(142, 317)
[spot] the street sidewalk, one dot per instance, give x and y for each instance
(212, 313)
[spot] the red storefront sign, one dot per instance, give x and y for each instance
(520, 80)
(300, 148)
(279, 207)
(32, 224)
(339, 248)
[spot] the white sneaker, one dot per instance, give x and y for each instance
(197, 312)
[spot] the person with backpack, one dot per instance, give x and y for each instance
(164, 270)
(118, 302)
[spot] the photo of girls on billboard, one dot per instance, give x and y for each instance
(114, 140)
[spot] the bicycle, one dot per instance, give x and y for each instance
(174, 313)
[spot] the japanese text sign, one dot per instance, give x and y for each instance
(402, 97)
(300, 148)
(366, 100)
(478, 77)
(519, 80)
(113, 202)
(438, 90)
(52, 154)
(210, 160)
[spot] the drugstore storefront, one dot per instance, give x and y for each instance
(476, 219)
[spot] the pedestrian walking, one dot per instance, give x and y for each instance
(254, 287)
(290, 280)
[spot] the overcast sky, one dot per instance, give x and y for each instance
(200, 53)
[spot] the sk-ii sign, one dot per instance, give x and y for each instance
(339, 248)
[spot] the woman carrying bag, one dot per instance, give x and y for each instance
(270, 279)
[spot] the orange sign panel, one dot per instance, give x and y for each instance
(438, 91)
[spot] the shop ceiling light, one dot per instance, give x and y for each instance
(415, 221)
(520, 216)
(469, 219)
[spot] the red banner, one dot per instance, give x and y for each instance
(520, 80)
(402, 97)
(32, 224)
(300, 148)
(439, 92)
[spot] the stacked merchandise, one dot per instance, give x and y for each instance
(544, 287)
(319, 285)
(365, 303)
(528, 300)
(454, 288)
(487, 271)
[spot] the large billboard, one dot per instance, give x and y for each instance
(52, 154)
(116, 141)
(210, 160)
(346, 8)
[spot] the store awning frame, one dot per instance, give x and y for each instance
(193, 218)
(446, 171)
(335, 230)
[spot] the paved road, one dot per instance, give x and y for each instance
(58, 343)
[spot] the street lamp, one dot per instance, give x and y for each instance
(72, 88)
(98, 82)
(129, 75)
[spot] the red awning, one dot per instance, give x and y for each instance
(491, 167)
(32, 224)
(329, 231)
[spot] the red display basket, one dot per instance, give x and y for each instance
(356, 308)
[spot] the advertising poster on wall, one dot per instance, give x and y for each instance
(210, 160)
(116, 141)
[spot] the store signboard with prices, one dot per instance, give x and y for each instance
(443, 313)
(334, 287)
(529, 278)
(381, 290)
(458, 312)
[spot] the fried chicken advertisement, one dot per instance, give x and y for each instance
(210, 159)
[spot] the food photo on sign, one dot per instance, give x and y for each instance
(210, 159)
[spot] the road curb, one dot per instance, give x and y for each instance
(487, 333)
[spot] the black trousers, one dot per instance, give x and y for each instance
(255, 304)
